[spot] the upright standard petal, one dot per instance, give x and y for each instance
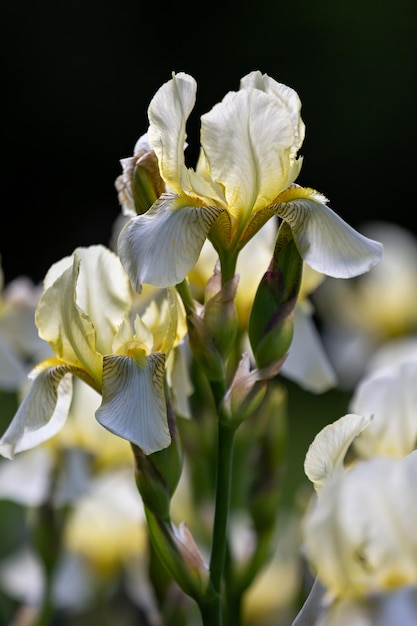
(68, 330)
(288, 96)
(99, 286)
(326, 242)
(168, 113)
(161, 246)
(103, 292)
(328, 450)
(133, 404)
(247, 140)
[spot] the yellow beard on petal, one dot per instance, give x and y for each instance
(136, 351)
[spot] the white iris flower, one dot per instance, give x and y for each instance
(84, 315)
(359, 532)
(245, 174)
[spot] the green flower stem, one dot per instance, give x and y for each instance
(184, 291)
(223, 487)
(228, 265)
(211, 611)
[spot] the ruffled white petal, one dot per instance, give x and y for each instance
(289, 98)
(326, 242)
(161, 246)
(247, 140)
(42, 412)
(68, 330)
(133, 404)
(168, 113)
(103, 292)
(328, 450)
(307, 363)
(86, 296)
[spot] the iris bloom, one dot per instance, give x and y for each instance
(245, 174)
(359, 533)
(84, 315)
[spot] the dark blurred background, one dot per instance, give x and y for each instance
(78, 77)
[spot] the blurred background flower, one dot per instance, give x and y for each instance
(360, 314)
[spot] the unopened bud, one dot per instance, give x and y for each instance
(152, 487)
(140, 184)
(169, 461)
(205, 348)
(247, 390)
(271, 323)
(158, 474)
(178, 551)
(270, 459)
(220, 312)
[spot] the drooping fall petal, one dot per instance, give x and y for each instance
(42, 412)
(161, 246)
(133, 404)
(326, 242)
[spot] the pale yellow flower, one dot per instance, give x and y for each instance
(245, 174)
(359, 531)
(84, 314)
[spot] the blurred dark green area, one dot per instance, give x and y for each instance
(78, 76)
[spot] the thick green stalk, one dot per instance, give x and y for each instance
(211, 611)
(183, 289)
(228, 265)
(221, 515)
(212, 607)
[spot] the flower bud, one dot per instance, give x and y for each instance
(169, 461)
(270, 459)
(245, 393)
(143, 190)
(271, 323)
(152, 487)
(204, 347)
(140, 184)
(220, 312)
(178, 551)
